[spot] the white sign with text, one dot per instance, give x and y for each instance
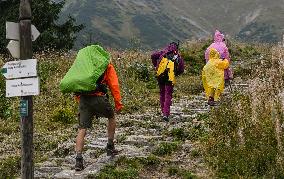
(22, 87)
(20, 69)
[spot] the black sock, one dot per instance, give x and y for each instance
(110, 143)
(79, 155)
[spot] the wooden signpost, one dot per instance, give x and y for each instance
(27, 165)
(22, 80)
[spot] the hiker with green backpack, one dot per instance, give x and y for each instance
(89, 78)
(168, 64)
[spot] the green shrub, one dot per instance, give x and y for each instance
(166, 148)
(253, 153)
(64, 115)
(10, 167)
(122, 168)
(194, 55)
(150, 161)
(195, 153)
(44, 144)
(173, 171)
(9, 128)
(127, 167)
(179, 134)
(244, 52)
(121, 138)
(140, 71)
(176, 171)
(45, 71)
(5, 107)
(189, 85)
(111, 172)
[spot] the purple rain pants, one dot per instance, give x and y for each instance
(166, 94)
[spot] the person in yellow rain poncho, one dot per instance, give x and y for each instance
(213, 76)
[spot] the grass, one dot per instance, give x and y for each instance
(127, 167)
(166, 148)
(176, 171)
(245, 138)
(9, 168)
(179, 134)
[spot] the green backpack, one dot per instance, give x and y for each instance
(89, 65)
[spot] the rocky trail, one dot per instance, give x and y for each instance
(137, 135)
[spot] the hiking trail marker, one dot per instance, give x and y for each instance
(22, 87)
(14, 48)
(24, 108)
(13, 33)
(20, 69)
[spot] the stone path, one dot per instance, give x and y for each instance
(136, 135)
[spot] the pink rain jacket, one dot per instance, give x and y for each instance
(221, 47)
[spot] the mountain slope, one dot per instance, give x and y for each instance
(126, 23)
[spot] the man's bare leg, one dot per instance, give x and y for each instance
(79, 148)
(110, 132)
(80, 140)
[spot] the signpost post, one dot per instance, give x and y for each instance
(27, 165)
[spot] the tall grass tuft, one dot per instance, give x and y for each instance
(246, 130)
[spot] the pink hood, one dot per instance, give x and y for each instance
(218, 37)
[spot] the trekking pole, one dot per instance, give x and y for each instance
(230, 86)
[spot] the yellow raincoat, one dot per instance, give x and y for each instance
(164, 64)
(213, 74)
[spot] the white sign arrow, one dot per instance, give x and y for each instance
(20, 69)
(14, 48)
(22, 87)
(13, 31)
(35, 33)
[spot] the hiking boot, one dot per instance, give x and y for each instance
(79, 166)
(211, 101)
(111, 151)
(166, 118)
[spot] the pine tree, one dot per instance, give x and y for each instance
(45, 15)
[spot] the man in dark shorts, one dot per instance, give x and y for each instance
(96, 103)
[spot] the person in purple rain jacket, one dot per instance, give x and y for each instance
(168, 64)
